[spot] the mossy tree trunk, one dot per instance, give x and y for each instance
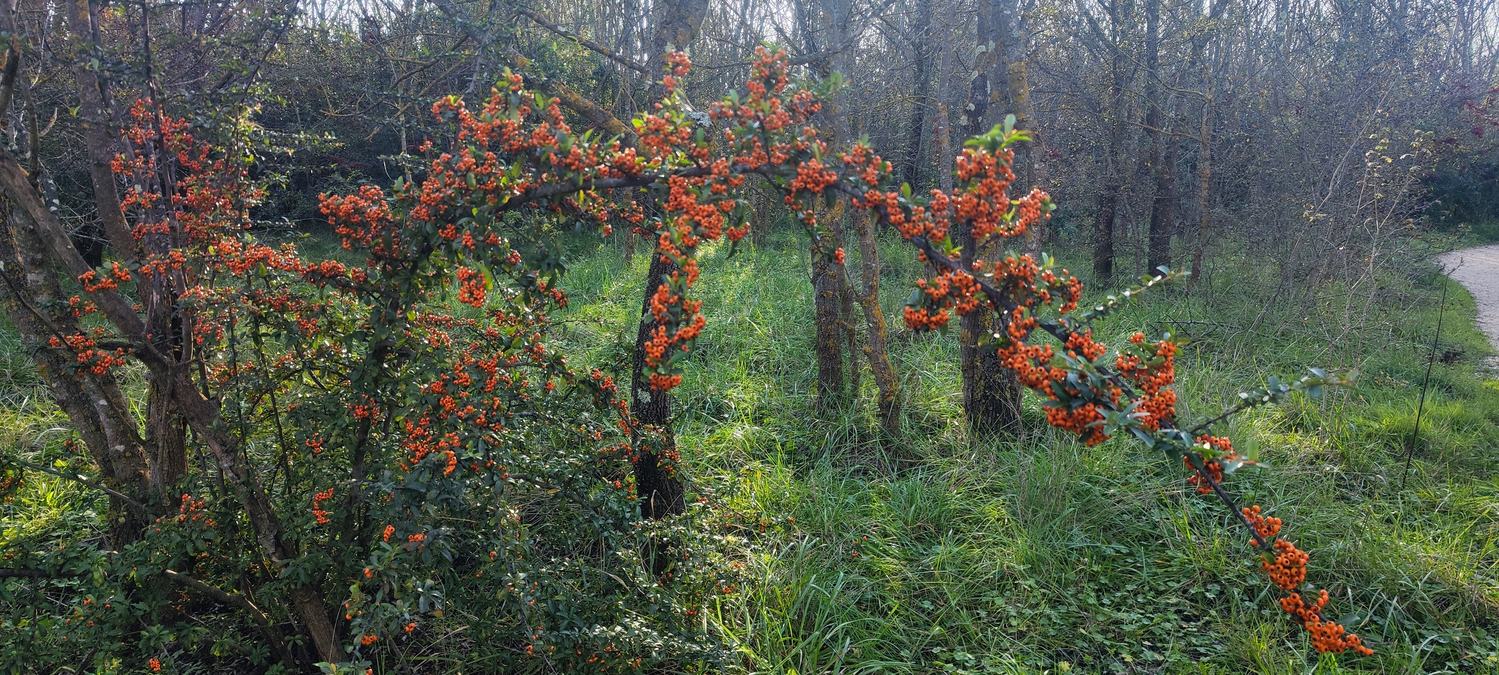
(991, 394)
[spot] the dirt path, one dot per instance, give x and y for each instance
(1478, 269)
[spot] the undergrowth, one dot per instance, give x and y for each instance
(935, 552)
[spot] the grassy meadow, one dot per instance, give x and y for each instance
(930, 552)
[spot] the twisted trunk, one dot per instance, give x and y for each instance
(31, 218)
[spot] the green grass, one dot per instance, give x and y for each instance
(935, 553)
(30, 422)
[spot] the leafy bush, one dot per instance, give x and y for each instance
(394, 440)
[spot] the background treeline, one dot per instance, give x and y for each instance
(1313, 131)
(1313, 134)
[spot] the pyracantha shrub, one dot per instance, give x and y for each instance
(424, 449)
(418, 447)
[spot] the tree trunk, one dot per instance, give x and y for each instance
(832, 299)
(991, 394)
(1107, 202)
(166, 432)
(95, 118)
(656, 482)
(1103, 232)
(1027, 167)
(921, 98)
(1162, 158)
(1204, 146)
(168, 328)
(877, 341)
(827, 317)
(942, 148)
(657, 485)
(1204, 186)
(1162, 212)
(942, 154)
(94, 404)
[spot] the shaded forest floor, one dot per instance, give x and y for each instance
(931, 552)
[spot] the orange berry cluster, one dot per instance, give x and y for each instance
(1085, 420)
(1327, 636)
(955, 290)
(677, 65)
(980, 204)
(87, 353)
(1153, 371)
(1034, 366)
(763, 107)
(811, 177)
(982, 200)
(1080, 344)
(211, 191)
(94, 282)
(1222, 450)
(1031, 363)
(1288, 567)
(364, 220)
(1287, 570)
(925, 318)
(193, 510)
(697, 212)
(319, 514)
(1265, 526)
(471, 287)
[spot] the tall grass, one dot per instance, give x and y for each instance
(936, 553)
